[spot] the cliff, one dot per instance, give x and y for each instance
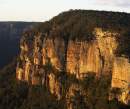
(71, 46)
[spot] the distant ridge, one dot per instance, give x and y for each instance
(10, 34)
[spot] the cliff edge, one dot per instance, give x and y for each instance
(78, 44)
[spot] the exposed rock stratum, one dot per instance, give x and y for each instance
(47, 54)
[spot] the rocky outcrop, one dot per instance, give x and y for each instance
(53, 52)
(121, 72)
(55, 86)
(121, 77)
(51, 56)
(82, 56)
(74, 57)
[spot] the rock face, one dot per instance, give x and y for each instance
(77, 58)
(53, 52)
(46, 56)
(121, 77)
(121, 70)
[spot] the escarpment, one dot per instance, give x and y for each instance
(51, 56)
(81, 57)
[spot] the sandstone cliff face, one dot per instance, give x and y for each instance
(121, 70)
(53, 52)
(74, 57)
(121, 77)
(81, 56)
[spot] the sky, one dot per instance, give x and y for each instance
(42, 10)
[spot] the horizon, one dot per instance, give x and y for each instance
(27, 21)
(40, 10)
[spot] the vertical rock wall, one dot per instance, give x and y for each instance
(74, 57)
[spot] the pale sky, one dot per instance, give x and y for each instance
(41, 10)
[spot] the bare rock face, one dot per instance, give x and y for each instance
(55, 86)
(74, 57)
(121, 77)
(83, 57)
(78, 57)
(95, 56)
(93, 61)
(121, 72)
(107, 45)
(53, 51)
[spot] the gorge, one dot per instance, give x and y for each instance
(79, 59)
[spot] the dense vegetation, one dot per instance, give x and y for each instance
(20, 95)
(79, 24)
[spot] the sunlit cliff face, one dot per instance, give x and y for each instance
(95, 56)
(53, 52)
(77, 57)
(121, 70)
